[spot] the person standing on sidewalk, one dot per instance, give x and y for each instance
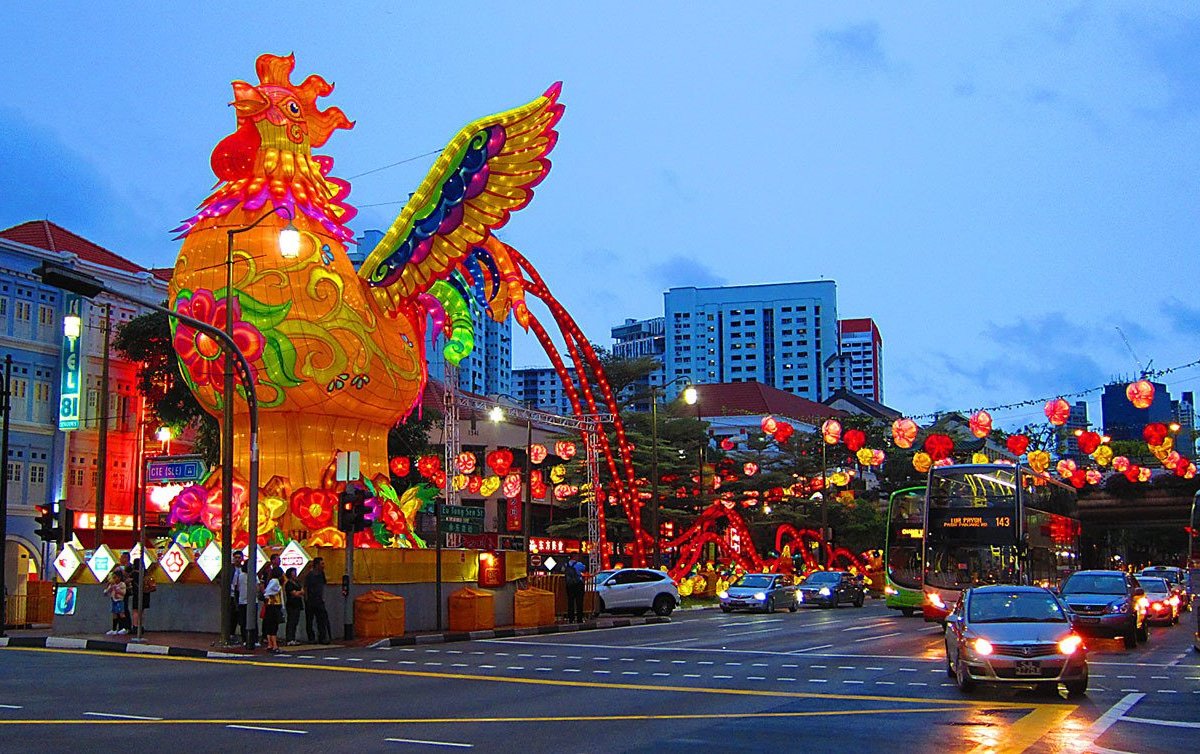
(574, 576)
(237, 599)
(143, 585)
(293, 603)
(127, 569)
(115, 589)
(314, 603)
(272, 612)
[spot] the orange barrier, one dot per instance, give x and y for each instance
(471, 610)
(533, 607)
(378, 614)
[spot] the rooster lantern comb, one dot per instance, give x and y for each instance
(337, 354)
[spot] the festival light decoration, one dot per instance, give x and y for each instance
(831, 431)
(865, 456)
(1120, 464)
(1154, 433)
(1093, 476)
(1017, 444)
(877, 457)
(1103, 455)
(564, 449)
(1057, 411)
(400, 465)
(769, 425)
(980, 424)
(1066, 468)
(922, 461)
(854, 439)
(939, 446)
(749, 468)
(1039, 461)
(1140, 393)
(537, 453)
(783, 432)
(465, 462)
(499, 461)
(1088, 442)
(978, 457)
(904, 433)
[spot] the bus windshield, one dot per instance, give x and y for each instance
(906, 535)
(964, 488)
(971, 529)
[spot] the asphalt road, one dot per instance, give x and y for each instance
(819, 680)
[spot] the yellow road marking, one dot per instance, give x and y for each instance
(1027, 731)
(447, 720)
(966, 703)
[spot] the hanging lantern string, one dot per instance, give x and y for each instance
(1148, 374)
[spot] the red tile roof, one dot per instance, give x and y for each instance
(46, 235)
(163, 273)
(757, 399)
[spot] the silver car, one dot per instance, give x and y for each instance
(1014, 634)
(759, 591)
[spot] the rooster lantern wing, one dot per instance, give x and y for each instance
(337, 355)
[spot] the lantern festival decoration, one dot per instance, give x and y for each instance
(769, 425)
(564, 449)
(922, 461)
(1120, 464)
(400, 465)
(1057, 411)
(1017, 444)
(499, 461)
(981, 424)
(727, 444)
(854, 439)
(1066, 468)
(1039, 461)
(978, 457)
(1155, 433)
(877, 457)
(939, 446)
(865, 456)
(1093, 476)
(783, 432)
(465, 462)
(1103, 455)
(1088, 442)
(904, 433)
(1140, 393)
(749, 468)
(537, 453)
(831, 431)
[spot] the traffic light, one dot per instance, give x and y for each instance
(66, 523)
(46, 528)
(353, 510)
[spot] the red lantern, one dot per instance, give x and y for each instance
(438, 479)
(831, 431)
(939, 447)
(769, 425)
(537, 453)
(400, 465)
(427, 466)
(564, 450)
(1140, 393)
(1057, 411)
(1133, 472)
(537, 485)
(511, 486)
(854, 439)
(1017, 444)
(1088, 442)
(727, 443)
(465, 462)
(981, 424)
(500, 461)
(783, 432)
(1155, 433)
(474, 482)
(750, 469)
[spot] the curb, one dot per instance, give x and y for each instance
(116, 647)
(508, 633)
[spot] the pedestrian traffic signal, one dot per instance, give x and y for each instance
(46, 521)
(353, 509)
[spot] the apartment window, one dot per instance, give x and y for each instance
(45, 316)
(13, 471)
(19, 388)
(37, 473)
(76, 477)
(41, 392)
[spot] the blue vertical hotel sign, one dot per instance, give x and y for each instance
(72, 370)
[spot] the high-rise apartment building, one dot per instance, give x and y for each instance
(861, 342)
(487, 370)
(642, 338)
(540, 388)
(779, 334)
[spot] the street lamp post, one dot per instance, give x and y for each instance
(288, 248)
(90, 287)
(655, 391)
(692, 397)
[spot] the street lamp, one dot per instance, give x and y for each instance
(89, 287)
(289, 248)
(692, 397)
(654, 393)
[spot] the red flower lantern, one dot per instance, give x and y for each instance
(783, 432)
(1120, 464)
(1154, 433)
(564, 450)
(1088, 442)
(1057, 411)
(1140, 393)
(854, 439)
(939, 446)
(904, 433)
(981, 424)
(428, 465)
(1066, 468)
(438, 479)
(400, 465)
(1017, 444)
(1078, 478)
(750, 469)
(727, 443)
(769, 425)
(831, 431)
(1093, 476)
(1133, 472)
(465, 462)
(474, 482)
(512, 485)
(500, 461)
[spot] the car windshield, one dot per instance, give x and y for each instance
(1175, 576)
(1094, 583)
(1015, 607)
(755, 581)
(604, 576)
(823, 577)
(1154, 585)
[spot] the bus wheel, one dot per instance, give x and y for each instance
(908, 611)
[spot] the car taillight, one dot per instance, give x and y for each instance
(1174, 601)
(982, 647)
(1070, 644)
(1143, 602)
(935, 599)
(1156, 605)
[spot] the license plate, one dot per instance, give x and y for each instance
(1082, 619)
(1029, 668)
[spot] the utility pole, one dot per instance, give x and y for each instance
(102, 447)
(5, 409)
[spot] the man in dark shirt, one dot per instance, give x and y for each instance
(314, 603)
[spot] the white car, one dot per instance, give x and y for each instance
(635, 590)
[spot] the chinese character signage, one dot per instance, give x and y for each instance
(72, 371)
(513, 509)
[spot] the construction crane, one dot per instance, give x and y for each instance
(1145, 370)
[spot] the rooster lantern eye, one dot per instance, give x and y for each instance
(293, 107)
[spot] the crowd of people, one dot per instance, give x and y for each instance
(129, 589)
(280, 596)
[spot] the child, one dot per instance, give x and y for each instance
(115, 590)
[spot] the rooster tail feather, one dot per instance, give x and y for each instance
(458, 326)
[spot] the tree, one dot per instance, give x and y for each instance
(147, 339)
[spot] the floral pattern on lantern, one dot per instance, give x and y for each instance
(922, 461)
(831, 431)
(980, 424)
(854, 439)
(749, 468)
(1017, 444)
(769, 425)
(978, 457)
(864, 456)
(904, 433)
(400, 465)
(1140, 393)
(537, 453)
(1088, 442)
(1057, 411)
(1039, 461)
(939, 446)
(564, 449)
(1103, 455)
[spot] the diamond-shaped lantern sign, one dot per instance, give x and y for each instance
(262, 560)
(150, 559)
(210, 561)
(102, 563)
(294, 556)
(67, 562)
(550, 562)
(174, 561)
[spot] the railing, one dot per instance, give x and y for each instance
(556, 584)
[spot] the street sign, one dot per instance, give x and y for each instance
(294, 556)
(462, 519)
(168, 469)
(102, 562)
(210, 561)
(174, 562)
(347, 466)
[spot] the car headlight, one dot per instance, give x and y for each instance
(1174, 601)
(1070, 644)
(982, 647)
(760, 596)
(889, 590)
(935, 599)
(723, 594)
(1119, 606)
(825, 592)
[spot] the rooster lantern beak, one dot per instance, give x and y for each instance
(248, 100)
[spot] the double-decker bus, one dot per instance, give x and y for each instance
(903, 550)
(995, 524)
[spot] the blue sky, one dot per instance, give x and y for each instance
(998, 188)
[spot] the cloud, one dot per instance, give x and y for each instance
(855, 46)
(964, 89)
(1183, 318)
(678, 270)
(1169, 44)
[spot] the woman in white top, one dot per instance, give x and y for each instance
(273, 613)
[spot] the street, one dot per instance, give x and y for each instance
(822, 680)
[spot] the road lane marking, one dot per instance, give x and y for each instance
(662, 675)
(1087, 738)
(757, 631)
(1167, 723)
(419, 741)
(723, 677)
(574, 684)
(11, 706)
(881, 636)
(792, 680)
(1028, 730)
(118, 716)
(809, 649)
(269, 730)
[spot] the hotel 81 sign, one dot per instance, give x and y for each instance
(72, 370)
